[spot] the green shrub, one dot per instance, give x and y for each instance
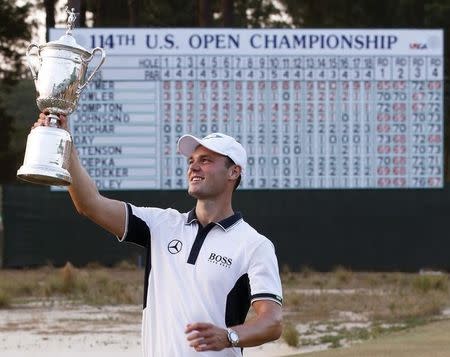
(65, 282)
(343, 275)
(333, 340)
(306, 271)
(427, 283)
(126, 265)
(290, 335)
(5, 300)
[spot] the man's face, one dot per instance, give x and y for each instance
(207, 173)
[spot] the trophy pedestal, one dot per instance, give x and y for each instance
(47, 157)
(44, 175)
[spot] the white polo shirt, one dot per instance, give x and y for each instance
(198, 274)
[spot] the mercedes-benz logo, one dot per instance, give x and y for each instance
(174, 246)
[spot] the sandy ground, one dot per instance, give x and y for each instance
(60, 329)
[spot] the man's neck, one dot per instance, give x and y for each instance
(208, 211)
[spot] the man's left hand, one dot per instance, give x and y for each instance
(207, 337)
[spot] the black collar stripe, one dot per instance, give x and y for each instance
(198, 243)
(229, 222)
(228, 228)
(226, 224)
(191, 216)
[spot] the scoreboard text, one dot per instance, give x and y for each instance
(313, 108)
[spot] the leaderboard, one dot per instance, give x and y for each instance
(315, 109)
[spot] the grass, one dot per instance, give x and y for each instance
(387, 303)
(333, 340)
(422, 341)
(94, 286)
(342, 275)
(308, 295)
(336, 336)
(291, 335)
(378, 296)
(427, 283)
(5, 300)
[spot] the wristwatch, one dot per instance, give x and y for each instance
(233, 337)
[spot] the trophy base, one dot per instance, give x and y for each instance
(46, 157)
(44, 175)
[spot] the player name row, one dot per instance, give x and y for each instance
(111, 100)
(320, 170)
(118, 184)
(93, 155)
(151, 160)
(385, 113)
(142, 172)
(99, 129)
(148, 90)
(153, 183)
(347, 134)
(104, 123)
(269, 141)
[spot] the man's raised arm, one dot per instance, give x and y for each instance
(108, 213)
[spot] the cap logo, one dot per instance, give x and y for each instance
(212, 136)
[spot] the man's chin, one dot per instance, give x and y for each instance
(193, 193)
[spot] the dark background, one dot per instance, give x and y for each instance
(370, 230)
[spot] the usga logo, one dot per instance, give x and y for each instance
(418, 46)
(221, 260)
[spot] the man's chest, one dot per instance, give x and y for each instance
(217, 256)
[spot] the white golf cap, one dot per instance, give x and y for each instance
(217, 142)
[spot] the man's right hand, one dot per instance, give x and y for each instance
(44, 121)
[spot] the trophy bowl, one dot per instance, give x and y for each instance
(59, 71)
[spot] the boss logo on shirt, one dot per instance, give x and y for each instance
(220, 259)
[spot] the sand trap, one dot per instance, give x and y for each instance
(61, 329)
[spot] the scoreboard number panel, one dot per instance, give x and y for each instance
(315, 109)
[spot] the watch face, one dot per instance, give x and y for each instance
(234, 337)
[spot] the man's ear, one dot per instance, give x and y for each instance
(234, 172)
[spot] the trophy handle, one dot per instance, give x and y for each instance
(87, 60)
(29, 48)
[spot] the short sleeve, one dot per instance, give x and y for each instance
(263, 274)
(139, 222)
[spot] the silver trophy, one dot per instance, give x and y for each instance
(59, 70)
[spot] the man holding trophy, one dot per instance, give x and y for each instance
(206, 267)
